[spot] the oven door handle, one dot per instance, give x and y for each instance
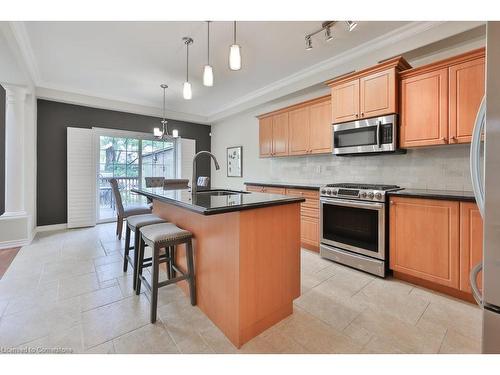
(349, 203)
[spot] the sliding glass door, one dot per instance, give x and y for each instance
(129, 158)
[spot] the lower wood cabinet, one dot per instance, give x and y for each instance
(437, 241)
(309, 212)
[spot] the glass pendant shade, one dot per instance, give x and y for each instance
(175, 133)
(234, 57)
(186, 91)
(157, 132)
(208, 76)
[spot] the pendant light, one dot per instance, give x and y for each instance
(186, 90)
(162, 133)
(234, 52)
(208, 74)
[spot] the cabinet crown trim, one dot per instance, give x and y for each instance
(309, 102)
(445, 63)
(398, 63)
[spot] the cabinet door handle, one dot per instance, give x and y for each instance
(454, 139)
(357, 115)
(443, 139)
(362, 114)
(392, 203)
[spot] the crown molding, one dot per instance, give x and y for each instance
(111, 103)
(22, 39)
(320, 72)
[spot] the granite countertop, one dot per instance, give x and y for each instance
(206, 204)
(286, 185)
(466, 196)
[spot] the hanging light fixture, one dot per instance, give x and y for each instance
(234, 52)
(187, 93)
(162, 133)
(309, 45)
(351, 25)
(328, 34)
(208, 73)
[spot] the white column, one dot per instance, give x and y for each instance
(14, 150)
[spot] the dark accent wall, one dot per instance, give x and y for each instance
(2, 150)
(52, 120)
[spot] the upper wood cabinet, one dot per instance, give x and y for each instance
(368, 93)
(439, 101)
(471, 242)
(345, 101)
(424, 109)
(266, 136)
(466, 91)
(280, 134)
(320, 127)
(424, 240)
(301, 129)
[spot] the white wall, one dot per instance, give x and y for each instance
(443, 167)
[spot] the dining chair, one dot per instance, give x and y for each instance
(123, 212)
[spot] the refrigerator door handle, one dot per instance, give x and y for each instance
(475, 156)
(476, 293)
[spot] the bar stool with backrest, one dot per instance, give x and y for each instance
(168, 236)
(125, 212)
(134, 223)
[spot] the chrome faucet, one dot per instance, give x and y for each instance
(194, 182)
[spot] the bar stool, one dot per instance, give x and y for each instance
(168, 236)
(134, 223)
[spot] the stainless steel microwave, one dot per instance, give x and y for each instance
(367, 136)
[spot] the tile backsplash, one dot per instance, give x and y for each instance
(442, 167)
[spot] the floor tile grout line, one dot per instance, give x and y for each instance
(442, 341)
(423, 312)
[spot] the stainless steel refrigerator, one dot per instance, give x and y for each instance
(485, 171)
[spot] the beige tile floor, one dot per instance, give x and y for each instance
(67, 290)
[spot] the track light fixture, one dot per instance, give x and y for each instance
(327, 28)
(351, 25)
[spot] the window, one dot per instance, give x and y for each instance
(130, 160)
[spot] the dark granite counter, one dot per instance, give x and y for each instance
(285, 185)
(206, 203)
(452, 195)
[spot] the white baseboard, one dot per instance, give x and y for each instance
(10, 244)
(49, 228)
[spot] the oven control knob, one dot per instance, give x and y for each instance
(334, 192)
(329, 192)
(378, 196)
(323, 191)
(363, 195)
(370, 195)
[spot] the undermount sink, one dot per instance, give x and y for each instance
(220, 192)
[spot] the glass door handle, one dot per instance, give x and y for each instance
(476, 293)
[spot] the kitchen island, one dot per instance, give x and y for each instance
(247, 254)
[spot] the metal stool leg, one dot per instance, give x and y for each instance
(140, 261)
(127, 249)
(168, 254)
(190, 269)
(154, 282)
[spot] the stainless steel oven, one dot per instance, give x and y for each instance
(353, 227)
(372, 135)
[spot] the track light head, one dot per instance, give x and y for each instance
(351, 25)
(328, 34)
(308, 43)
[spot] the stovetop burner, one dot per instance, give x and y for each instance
(364, 186)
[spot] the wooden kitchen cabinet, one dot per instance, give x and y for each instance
(424, 109)
(439, 101)
(377, 93)
(280, 134)
(320, 127)
(471, 242)
(266, 136)
(424, 239)
(345, 101)
(299, 126)
(301, 129)
(466, 92)
(309, 232)
(368, 93)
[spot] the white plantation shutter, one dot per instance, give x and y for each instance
(81, 178)
(185, 154)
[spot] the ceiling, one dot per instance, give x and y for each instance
(127, 61)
